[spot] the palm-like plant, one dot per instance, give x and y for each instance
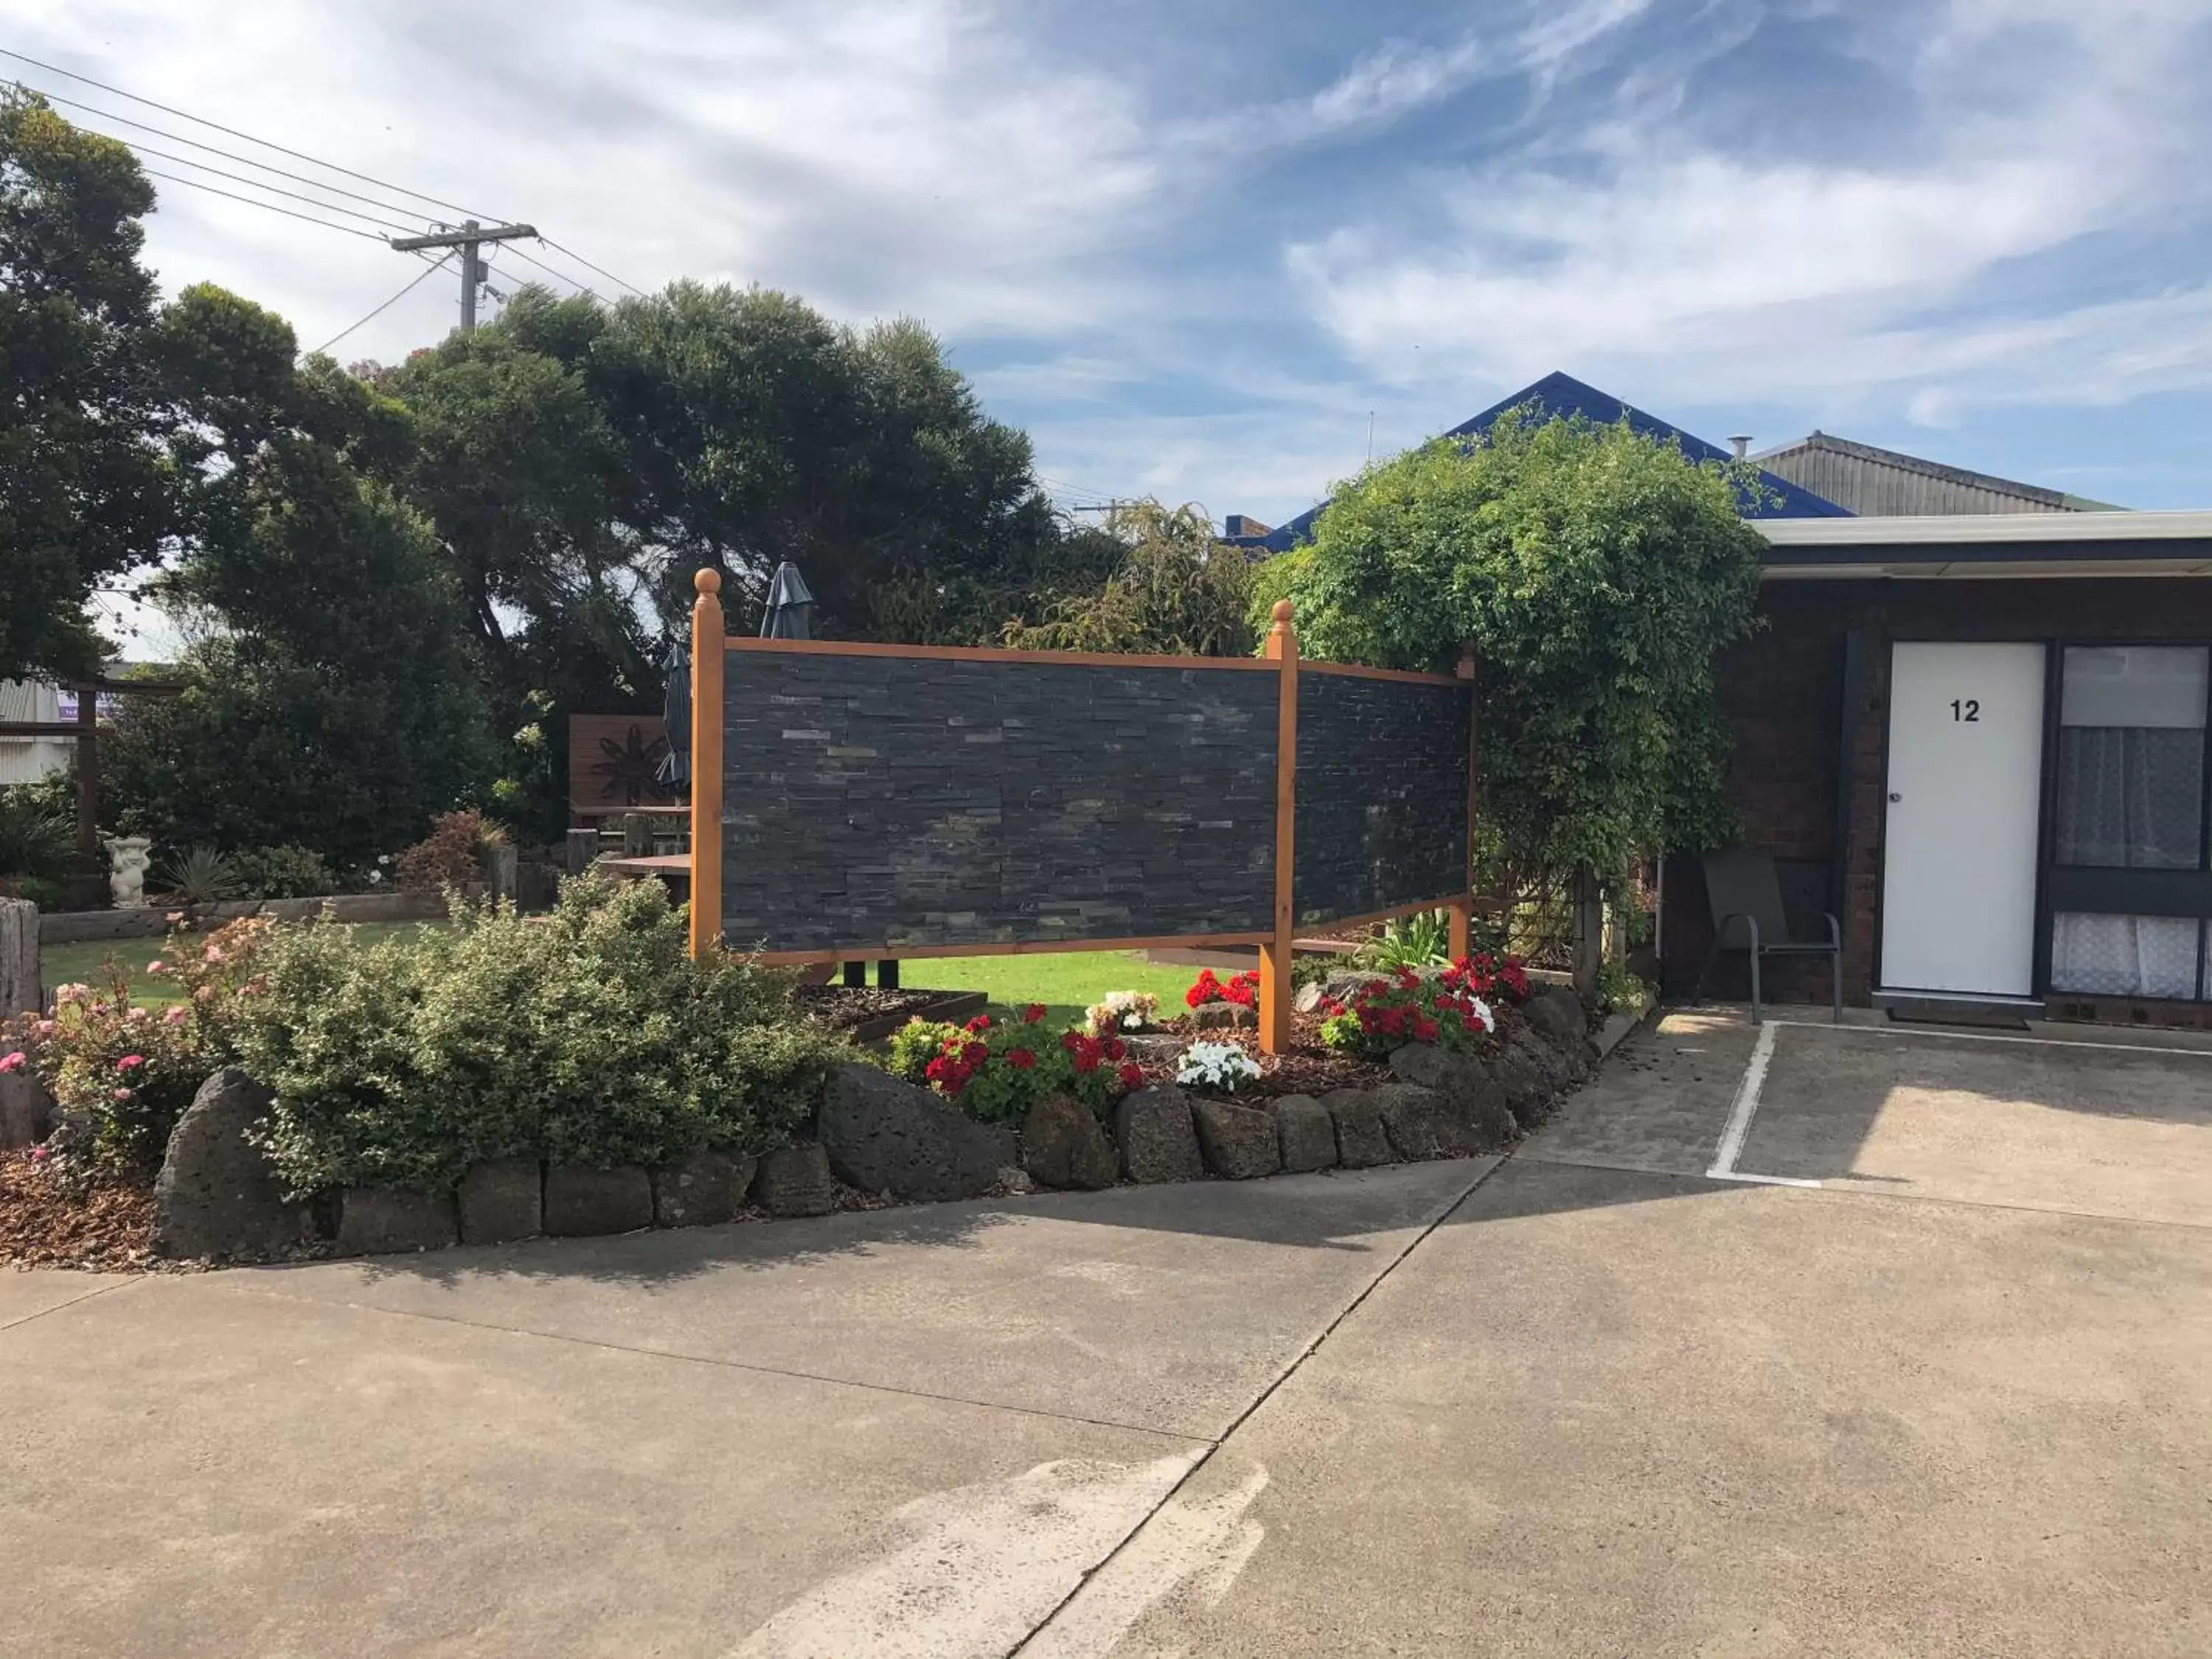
(201, 875)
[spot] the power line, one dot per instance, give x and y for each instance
(301, 156)
(274, 190)
(549, 271)
(227, 155)
(588, 265)
(327, 224)
(421, 277)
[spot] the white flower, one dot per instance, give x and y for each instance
(1220, 1065)
(375, 876)
(1482, 1013)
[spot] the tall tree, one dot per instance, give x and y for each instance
(1172, 589)
(83, 492)
(332, 699)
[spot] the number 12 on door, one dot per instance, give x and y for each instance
(1966, 709)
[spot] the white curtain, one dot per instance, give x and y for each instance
(2124, 956)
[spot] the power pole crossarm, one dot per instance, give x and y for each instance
(471, 236)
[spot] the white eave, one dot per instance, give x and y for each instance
(1991, 544)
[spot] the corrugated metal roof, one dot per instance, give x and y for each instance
(1875, 482)
(1564, 395)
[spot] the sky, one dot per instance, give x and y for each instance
(1221, 250)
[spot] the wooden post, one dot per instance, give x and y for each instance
(709, 653)
(1275, 957)
(1463, 908)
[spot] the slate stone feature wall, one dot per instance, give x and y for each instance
(1381, 784)
(874, 801)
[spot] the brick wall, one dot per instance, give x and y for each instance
(1781, 693)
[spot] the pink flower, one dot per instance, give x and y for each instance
(43, 1027)
(71, 993)
(129, 1063)
(157, 967)
(212, 953)
(118, 1095)
(13, 1062)
(177, 1015)
(37, 1155)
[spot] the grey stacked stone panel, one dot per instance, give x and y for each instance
(873, 801)
(1382, 789)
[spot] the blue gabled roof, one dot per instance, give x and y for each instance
(1564, 395)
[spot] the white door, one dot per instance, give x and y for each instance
(1966, 785)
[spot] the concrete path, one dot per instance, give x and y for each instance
(1954, 1399)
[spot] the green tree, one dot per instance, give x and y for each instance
(1598, 573)
(333, 700)
(83, 492)
(1173, 590)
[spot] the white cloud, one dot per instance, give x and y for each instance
(1719, 273)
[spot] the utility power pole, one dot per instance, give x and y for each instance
(471, 236)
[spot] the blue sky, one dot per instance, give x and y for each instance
(1193, 247)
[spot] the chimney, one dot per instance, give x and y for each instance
(1240, 524)
(1741, 445)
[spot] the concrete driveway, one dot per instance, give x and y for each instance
(1608, 1397)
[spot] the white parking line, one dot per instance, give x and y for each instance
(1740, 1115)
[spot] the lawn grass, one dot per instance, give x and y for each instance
(1066, 983)
(86, 963)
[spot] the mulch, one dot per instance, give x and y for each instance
(45, 1223)
(1308, 1066)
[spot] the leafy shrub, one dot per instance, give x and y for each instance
(1386, 1013)
(588, 1037)
(1419, 940)
(997, 1071)
(122, 1073)
(1621, 990)
(1219, 1066)
(283, 872)
(452, 853)
(200, 876)
(38, 836)
(1243, 989)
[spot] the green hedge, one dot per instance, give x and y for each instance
(588, 1037)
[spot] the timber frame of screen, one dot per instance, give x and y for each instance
(711, 648)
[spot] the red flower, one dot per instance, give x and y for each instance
(1021, 1059)
(1032, 1014)
(129, 1063)
(1472, 1023)
(974, 1055)
(1131, 1076)
(980, 1022)
(1425, 1028)
(1071, 1041)
(1116, 1048)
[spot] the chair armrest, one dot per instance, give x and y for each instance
(1748, 921)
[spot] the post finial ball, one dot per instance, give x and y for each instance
(1283, 611)
(707, 582)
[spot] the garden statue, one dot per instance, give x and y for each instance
(126, 882)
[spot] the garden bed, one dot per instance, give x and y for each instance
(869, 1013)
(43, 1224)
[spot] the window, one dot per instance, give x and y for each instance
(2131, 757)
(2131, 796)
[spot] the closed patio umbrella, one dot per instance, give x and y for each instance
(790, 605)
(675, 774)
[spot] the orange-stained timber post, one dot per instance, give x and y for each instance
(708, 651)
(1275, 956)
(1461, 909)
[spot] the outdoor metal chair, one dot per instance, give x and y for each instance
(1745, 895)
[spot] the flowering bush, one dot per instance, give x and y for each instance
(121, 1073)
(1389, 1012)
(1219, 1066)
(1121, 1010)
(996, 1071)
(1243, 989)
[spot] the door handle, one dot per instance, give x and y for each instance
(1895, 796)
